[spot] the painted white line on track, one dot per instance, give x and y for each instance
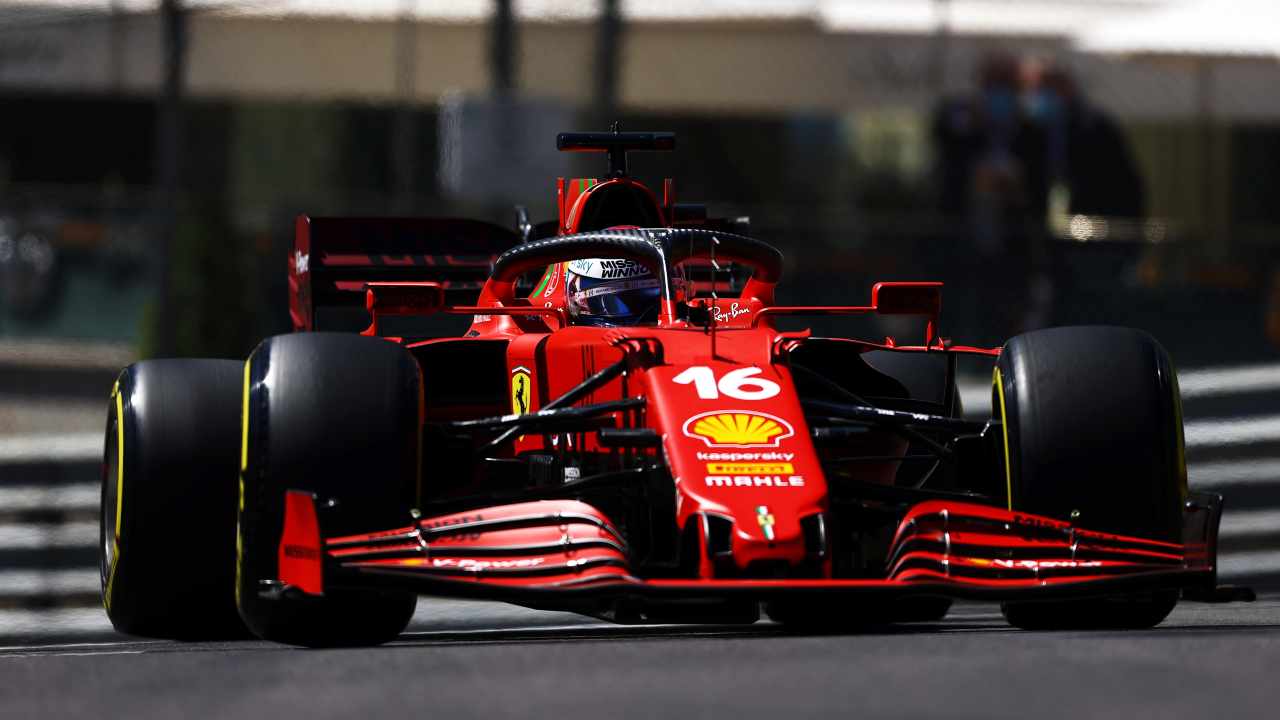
(29, 536)
(80, 496)
(1213, 382)
(59, 447)
(5, 656)
(1243, 523)
(108, 644)
(1232, 431)
(533, 629)
(1255, 471)
(49, 582)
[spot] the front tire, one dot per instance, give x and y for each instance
(338, 416)
(167, 517)
(1093, 435)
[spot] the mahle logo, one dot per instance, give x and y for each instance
(738, 428)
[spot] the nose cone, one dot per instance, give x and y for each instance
(736, 441)
(766, 536)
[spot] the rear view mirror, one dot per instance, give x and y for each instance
(382, 299)
(907, 298)
(404, 298)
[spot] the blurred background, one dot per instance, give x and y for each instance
(1053, 161)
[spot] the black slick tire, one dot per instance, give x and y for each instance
(1093, 435)
(168, 513)
(338, 416)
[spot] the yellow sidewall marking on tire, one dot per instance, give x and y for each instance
(244, 418)
(119, 462)
(115, 533)
(998, 381)
(244, 465)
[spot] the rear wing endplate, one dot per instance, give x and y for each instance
(333, 258)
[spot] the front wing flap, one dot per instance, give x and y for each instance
(566, 554)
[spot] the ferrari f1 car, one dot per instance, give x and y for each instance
(693, 464)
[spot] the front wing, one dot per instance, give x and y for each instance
(562, 554)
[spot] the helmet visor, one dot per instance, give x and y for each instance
(613, 302)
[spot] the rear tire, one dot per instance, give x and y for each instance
(167, 518)
(1093, 426)
(336, 415)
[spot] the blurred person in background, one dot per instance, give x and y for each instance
(1088, 167)
(989, 152)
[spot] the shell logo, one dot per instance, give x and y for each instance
(738, 428)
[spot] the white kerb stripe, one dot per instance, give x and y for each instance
(1248, 563)
(1210, 382)
(64, 447)
(1242, 523)
(18, 623)
(35, 536)
(80, 496)
(1232, 431)
(1259, 471)
(40, 582)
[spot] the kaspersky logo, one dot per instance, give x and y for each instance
(765, 518)
(738, 428)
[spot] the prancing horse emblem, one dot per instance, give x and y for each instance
(520, 390)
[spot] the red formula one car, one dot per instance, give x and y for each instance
(634, 439)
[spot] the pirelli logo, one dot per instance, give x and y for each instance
(750, 468)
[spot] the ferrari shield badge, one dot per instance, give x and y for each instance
(765, 518)
(520, 390)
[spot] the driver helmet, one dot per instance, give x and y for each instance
(607, 292)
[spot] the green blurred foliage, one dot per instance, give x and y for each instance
(213, 292)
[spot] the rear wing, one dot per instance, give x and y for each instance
(334, 257)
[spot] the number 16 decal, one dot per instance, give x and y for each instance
(740, 384)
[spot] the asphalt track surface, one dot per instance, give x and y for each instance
(462, 660)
